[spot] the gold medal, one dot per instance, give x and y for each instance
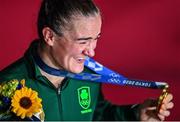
(162, 96)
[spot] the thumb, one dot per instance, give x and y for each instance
(151, 108)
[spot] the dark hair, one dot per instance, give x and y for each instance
(57, 14)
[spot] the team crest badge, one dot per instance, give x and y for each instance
(84, 97)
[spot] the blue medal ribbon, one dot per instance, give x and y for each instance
(103, 74)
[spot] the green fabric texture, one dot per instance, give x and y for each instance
(74, 100)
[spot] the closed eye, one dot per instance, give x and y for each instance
(84, 42)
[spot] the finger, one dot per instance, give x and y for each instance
(170, 105)
(167, 106)
(164, 113)
(152, 108)
(161, 117)
(168, 98)
(163, 107)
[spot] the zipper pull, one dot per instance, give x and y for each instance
(59, 89)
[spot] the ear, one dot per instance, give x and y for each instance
(48, 36)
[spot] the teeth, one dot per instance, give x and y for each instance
(80, 59)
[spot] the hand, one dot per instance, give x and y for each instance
(148, 110)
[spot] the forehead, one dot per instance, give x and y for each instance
(85, 25)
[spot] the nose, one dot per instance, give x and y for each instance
(89, 50)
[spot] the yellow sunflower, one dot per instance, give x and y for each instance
(25, 102)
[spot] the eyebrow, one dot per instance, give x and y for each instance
(88, 38)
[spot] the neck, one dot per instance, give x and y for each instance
(46, 57)
(55, 80)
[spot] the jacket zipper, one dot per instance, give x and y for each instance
(59, 100)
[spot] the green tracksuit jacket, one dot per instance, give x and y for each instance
(73, 100)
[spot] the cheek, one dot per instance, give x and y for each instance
(77, 49)
(94, 44)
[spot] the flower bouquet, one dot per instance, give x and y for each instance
(17, 102)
